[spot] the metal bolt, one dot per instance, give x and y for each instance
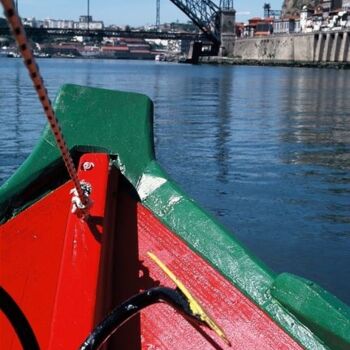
(88, 166)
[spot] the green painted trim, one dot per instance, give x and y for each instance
(121, 124)
(85, 114)
(219, 247)
(324, 314)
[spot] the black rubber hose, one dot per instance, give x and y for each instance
(18, 321)
(130, 308)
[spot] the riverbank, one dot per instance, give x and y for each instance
(216, 60)
(317, 49)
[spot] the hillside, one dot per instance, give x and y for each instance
(291, 7)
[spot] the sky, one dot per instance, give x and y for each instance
(132, 12)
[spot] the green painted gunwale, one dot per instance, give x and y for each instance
(120, 123)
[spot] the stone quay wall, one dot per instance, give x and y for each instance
(309, 47)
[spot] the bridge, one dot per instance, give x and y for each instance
(100, 33)
(205, 14)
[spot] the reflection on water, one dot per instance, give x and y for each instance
(320, 120)
(265, 149)
(319, 132)
(16, 132)
(223, 132)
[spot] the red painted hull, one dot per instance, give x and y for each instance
(65, 275)
(247, 327)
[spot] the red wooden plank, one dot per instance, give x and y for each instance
(75, 304)
(30, 256)
(246, 326)
(50, 266)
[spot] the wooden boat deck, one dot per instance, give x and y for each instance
(51, 296)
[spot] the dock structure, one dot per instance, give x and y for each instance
(332, 47)
(318, 47)
(227, 27)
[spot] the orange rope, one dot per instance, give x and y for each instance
(33, 69)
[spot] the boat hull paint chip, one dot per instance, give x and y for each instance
(148, 184)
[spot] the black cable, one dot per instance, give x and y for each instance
(130, 308)
(18, 321)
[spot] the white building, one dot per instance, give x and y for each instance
(346, 4)
(305, 19)
(58, 23)
(286, 25)
(94, 25)
(29, 22)
(85, 22)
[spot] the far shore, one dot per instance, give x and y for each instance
(280, 63)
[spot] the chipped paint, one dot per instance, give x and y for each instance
(148, 184)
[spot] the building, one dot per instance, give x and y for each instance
(346, 5)
(259, 27)
(286, 25)
(326, 7)
(29, 22)
(306, 19)
(337, 5)
(87, 22)
(239, 29)
(328, 16)
(85, 19)
(83, 23)
(127, 48)
(94, 25)
(58, 23)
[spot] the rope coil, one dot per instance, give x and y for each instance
(38, 82)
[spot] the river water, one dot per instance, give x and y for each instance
(265, 150)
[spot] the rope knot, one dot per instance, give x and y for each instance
(80, 208)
